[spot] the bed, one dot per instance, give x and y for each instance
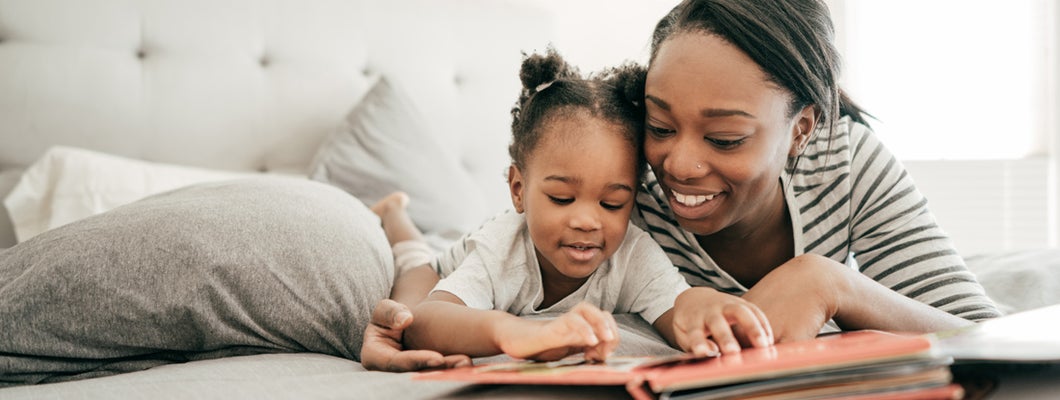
(254, 119)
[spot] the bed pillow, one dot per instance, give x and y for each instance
(385, 144)
(265, 265)
(67, 184)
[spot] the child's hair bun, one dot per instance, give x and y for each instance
(540, 70)
(629, 79)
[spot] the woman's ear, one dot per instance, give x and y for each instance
(802, 130)
(515, 185)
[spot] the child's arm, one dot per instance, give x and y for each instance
(411, 287)
(705, 320)
(444, 324)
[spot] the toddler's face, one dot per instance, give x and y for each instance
(577, 190)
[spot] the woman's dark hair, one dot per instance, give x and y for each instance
(554, 89)
(791, 40)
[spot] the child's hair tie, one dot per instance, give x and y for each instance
(543, 86)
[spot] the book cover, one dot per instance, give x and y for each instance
(648, 377)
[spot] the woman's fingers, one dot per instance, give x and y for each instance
(723, 328)
(721, 332)
(767, 328)
(694, 340)
(750, 324)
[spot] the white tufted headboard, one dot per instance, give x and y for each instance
(253, 84)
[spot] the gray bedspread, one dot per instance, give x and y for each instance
(269, 265)
(318, 376)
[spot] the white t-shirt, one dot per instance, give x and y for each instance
(496, 268)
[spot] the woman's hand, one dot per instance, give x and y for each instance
(583, 329)
(706, 321)
(800, 296)
(382, 349)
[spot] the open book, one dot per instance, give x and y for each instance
(868, 364)
(1031, 336)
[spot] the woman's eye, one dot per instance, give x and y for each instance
(659, 131)
(560, 200)
(724, 144)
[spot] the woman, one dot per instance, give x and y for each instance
(765, 179)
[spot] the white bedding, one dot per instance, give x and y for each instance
(68, 184)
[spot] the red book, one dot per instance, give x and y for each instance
(844, 364)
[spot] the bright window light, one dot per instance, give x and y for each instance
(949, 79)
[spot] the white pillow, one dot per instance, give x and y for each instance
(386, 144)
(67, 184)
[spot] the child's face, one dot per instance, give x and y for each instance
(577, 190)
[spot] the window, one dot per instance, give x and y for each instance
(950, 79)
(965, 91)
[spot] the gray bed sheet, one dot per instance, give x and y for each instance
(319, 376)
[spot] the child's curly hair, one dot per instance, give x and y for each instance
(553, 88)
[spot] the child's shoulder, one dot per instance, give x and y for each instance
(505, 220)
(503, 230)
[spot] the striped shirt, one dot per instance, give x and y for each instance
(849, 197)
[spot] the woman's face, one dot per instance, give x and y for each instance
(718, 135)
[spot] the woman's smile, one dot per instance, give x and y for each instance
(694, 206)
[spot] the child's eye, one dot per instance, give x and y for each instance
(724, 144)
(612, 207)
(658, 131)
(560, 200)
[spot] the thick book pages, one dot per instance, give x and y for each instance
(1031, 336)
(647, 377)
(826, 352)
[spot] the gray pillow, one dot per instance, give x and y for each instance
(237, 267)
(385, 144)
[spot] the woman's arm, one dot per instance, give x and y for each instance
(896, 242)
(801, 295)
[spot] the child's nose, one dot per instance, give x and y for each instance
(585, 219)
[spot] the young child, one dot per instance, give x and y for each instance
(569, 246)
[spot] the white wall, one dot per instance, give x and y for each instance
(595, 34)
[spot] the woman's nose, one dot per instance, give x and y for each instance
(685, 163)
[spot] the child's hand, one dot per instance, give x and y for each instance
(582, 329)
(707, 321)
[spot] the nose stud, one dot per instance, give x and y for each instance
(699, 166)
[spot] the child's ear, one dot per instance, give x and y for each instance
(515, 185)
